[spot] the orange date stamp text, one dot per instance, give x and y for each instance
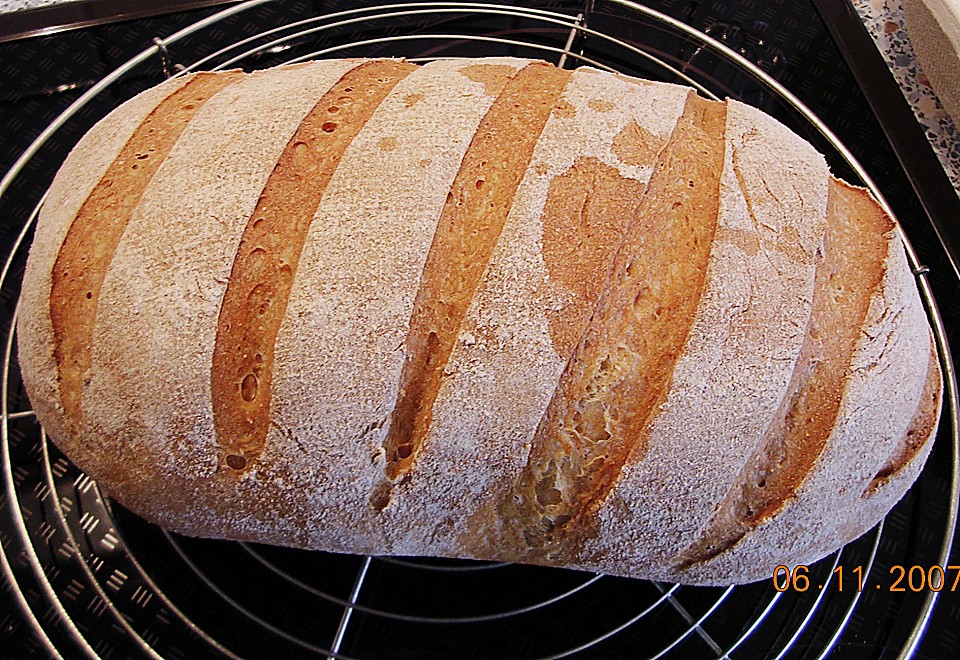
(901, 578)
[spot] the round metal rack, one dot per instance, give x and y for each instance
(92, 580)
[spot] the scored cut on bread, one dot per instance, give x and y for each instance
(93, 155)
(478, 308)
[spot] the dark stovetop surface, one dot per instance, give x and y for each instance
(42, 76)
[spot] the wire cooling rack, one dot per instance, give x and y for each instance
(91, 580)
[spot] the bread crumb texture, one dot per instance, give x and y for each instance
(478, 308)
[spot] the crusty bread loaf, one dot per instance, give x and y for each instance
(479, 308)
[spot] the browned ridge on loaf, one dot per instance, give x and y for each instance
(848, 276)
(917, 434)
(255, 300)
(92, 239)
(620, 371)
(470, 224)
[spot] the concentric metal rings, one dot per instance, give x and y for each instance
(92, 580)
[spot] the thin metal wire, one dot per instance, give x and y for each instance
(809, 616)
(154, 588)
(570, 39)
(232, 602)
(470, 567)
(418, 8)
(512, 12)
(953, 504)
(348, 612)
(753, 626)
(121, 620)
(548, 17)
(55, 606)
(685, 615)
(412, 618)
(853, 603)
(446, 37)
(696, 624)
(610, 633)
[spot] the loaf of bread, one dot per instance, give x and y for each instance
(485, 309)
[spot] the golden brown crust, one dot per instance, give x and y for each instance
(255, 302)
(341, 348)
(918, 433)
(472, 219)
(93, 236)
(621, 368)
(742, 296)
(588, 210)
(849, 275)
(160, 298)
(505, 367)
(735, 366)
(885, 378)
(79, 175)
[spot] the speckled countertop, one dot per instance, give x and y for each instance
(17, 5)
(884, 21)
